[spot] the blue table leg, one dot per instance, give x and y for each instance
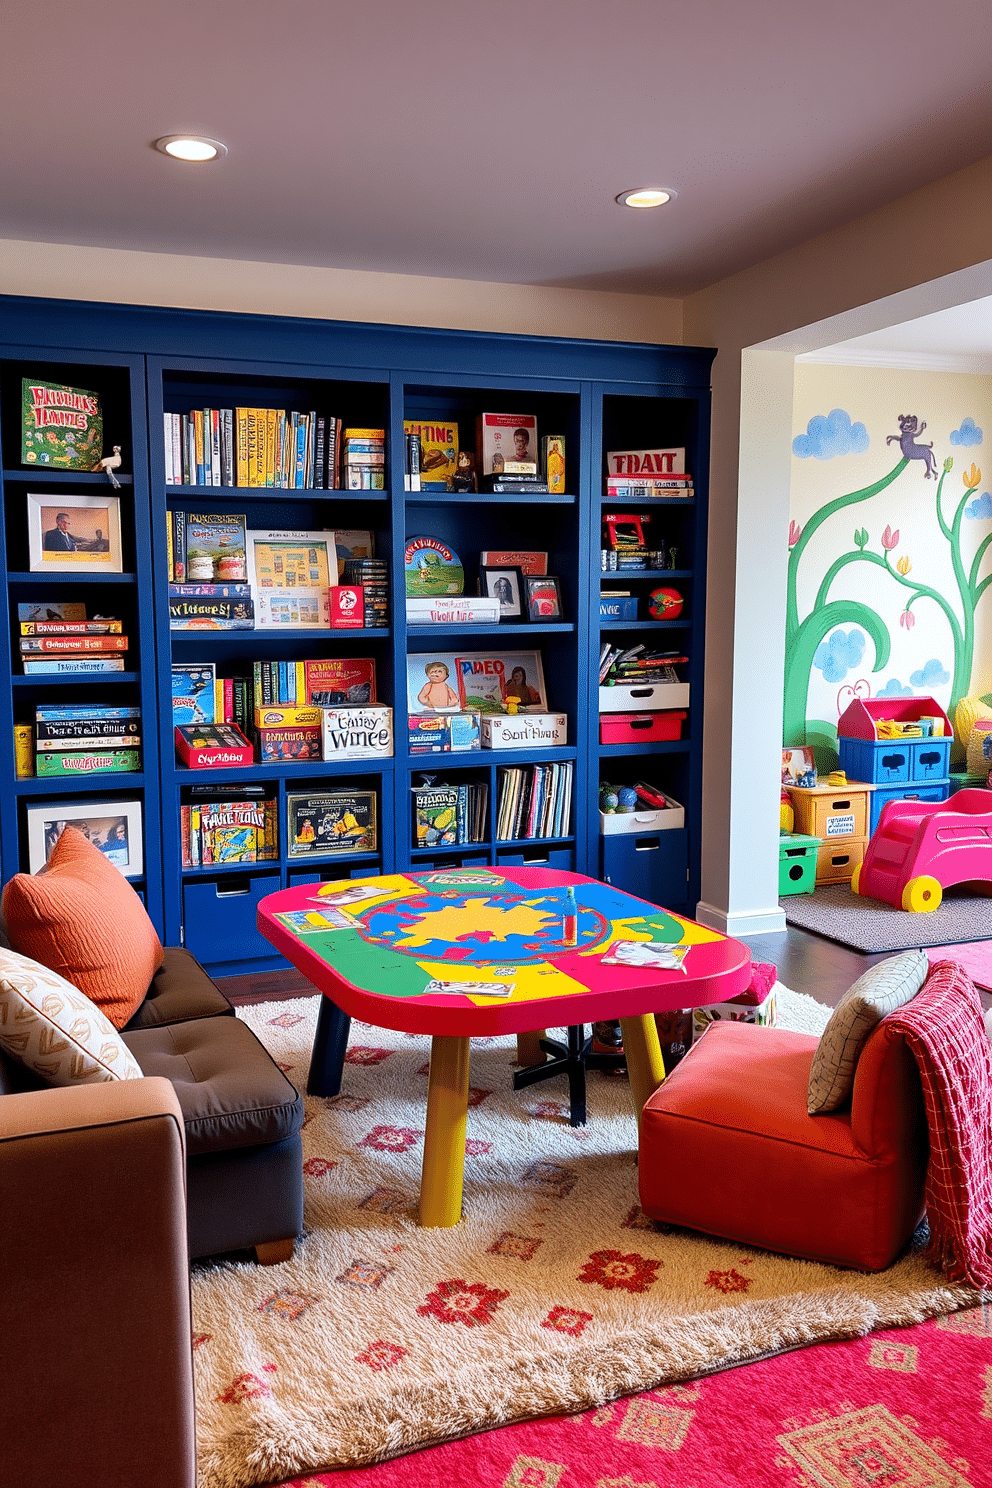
(329, 1046)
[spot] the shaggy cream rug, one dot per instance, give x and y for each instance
(554, 1293)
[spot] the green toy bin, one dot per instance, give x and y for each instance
(797, 863)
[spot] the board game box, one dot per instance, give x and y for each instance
(357, 733)
(435, 815)
(194, 693)
(503, 437)
(331, 822)
(445, 681)
(334, 680)
(61, 427)
(438, 451)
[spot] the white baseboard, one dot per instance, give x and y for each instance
(750, 922)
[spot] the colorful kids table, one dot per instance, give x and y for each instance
(464, 952)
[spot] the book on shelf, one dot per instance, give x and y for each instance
(533, 801)
(250, 447)
(372, 575)
(505, 437)
(465, 610)
(72, 645)
(57, 610)
(363, 459)
(67, 665)
(449, 814)
(208, 548)
(61, 427)
(70, 627)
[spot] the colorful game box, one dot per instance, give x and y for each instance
(357, 733)
(330, 822)
(438, 451)
(193, 693)
(334, 680)
(61, 427)
(503, 438)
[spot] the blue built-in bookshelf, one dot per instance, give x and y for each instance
(148, 361)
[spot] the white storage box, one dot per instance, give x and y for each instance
(613, 823)
(631, 698)
(524, 730)
(357, 732)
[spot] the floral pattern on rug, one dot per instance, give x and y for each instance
(554, 1294)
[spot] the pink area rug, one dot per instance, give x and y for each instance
(903, 1408)
(974, 955)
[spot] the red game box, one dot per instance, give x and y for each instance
(212, 746)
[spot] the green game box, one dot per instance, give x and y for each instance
(61, 427)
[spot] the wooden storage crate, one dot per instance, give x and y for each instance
(837, 860)
(831, 812)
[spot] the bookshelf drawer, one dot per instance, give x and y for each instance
(632, 699)
(219, 918)
(652, 866)
(640, 728)
(537, 857)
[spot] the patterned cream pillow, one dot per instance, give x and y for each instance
(54, 1029)
(882, 989)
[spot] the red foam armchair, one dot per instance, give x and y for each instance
(727, 1147)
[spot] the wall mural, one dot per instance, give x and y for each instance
(861, 587)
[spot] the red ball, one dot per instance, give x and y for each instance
(665, 604)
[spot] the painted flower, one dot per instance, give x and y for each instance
(904, 565)
(381, 1355)
(795, 533)
(907, 619)
(457, 1302)
(567, 1320)
(611, 1270)
(860, 537)
(948, 464)
(390, 1138)
(890, 539)
(972, 477)
(728, 1281)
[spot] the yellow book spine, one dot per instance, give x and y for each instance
(270, 446)
(301, 683)
(256, 448)
(23, 751)
(219, 700)
(241, 414)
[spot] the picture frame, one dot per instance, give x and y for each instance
(69, 533)
(505, 584)
(798, 764)
(542, 597)
(114, 827)
(291, 574)
(330, 824)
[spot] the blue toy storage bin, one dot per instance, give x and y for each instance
(907, 793)
(881, 761)
(930, 759)
(651, 865)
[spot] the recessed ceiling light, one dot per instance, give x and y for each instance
(646, 196)
(190, 147)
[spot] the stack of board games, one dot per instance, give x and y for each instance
(228, 828)
(208, 572)
(61, 427)
(57, 638)
(363, 459)
(626, 545)
(323, 824)
(636, 474)
(533, 801)
(86, 739)
(449, 814)
(372, 575)
(283, 733)
(251, 447)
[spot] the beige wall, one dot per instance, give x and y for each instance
(914, 255)
(123, 276)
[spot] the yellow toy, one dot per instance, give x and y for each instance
(786, 814)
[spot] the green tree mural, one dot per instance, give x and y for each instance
(802, 637)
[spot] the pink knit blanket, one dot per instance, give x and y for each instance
(945, 1030)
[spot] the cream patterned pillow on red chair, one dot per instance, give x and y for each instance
(881, 990)
(51, 1027)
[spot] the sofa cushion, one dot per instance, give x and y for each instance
(81, 918)
(881, 989)
(231, 1092)
(180, 991)
(55, 1030)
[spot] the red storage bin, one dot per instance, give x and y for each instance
(640, 728)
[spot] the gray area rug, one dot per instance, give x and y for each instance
(869, 925)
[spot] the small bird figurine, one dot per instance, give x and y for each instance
(109, 464)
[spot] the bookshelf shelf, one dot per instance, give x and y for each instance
(600, 396)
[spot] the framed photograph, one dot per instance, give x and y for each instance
(798, 765)
(506, 586)
(327, 823)
(112, 826)
(542, 595)
(74, 534)
(290, 575)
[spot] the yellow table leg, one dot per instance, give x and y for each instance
(529, 1049)
(645, 1066)
(444, 1139)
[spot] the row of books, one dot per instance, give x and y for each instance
(533, 801)
(271, 447)
(618, 664)
(77, 740)
(59, 638)
(200, 696)
(449, 814)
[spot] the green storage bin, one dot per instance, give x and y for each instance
(797, 863)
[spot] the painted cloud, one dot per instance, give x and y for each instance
(980, 508)
(931, 674)
(831, 435)
(969, 433)
(839, 654)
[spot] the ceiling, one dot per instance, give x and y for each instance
(484, 141)
(958, 339)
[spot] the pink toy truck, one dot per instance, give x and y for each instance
(921, 848)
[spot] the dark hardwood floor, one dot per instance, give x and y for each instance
(805, 962)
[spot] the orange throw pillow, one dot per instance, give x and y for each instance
(81, 918)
